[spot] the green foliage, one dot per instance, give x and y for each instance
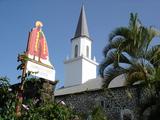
(42, 111)
(4, 85)
(129, 52)
(23, 58)
(7, 101)
(48, 111)
(98, 114)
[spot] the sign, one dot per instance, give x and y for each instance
(41, 71)
(37, 52)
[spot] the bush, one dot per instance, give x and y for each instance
(98, 114)
(48, 111)
(41, 111)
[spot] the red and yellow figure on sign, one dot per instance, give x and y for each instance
(38, 63)
(37, 46)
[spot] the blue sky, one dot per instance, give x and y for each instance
(60, 19)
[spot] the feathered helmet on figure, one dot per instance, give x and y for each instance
(39, 24)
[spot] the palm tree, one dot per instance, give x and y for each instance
(129, 53)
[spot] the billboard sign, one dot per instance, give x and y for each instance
(37, 51)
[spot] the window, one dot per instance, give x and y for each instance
(76, 51)
(87, 51)
(102, 103)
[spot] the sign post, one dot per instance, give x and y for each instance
(21, 89)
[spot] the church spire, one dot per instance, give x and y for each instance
(80, 67)
(82, 28)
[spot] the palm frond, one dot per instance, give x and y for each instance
(134, 22)
(134, 77)
(139, 71)
(124, 59)
(113, 58)
(153, 55)
(157, 75)
(115, 44)
(109, 59)
(133, 40)
(111, 73)
(135, 73)
(121, 32)
(151, 33)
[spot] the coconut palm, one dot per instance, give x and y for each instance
(129, 53)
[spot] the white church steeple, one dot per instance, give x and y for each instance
(82, 28)
(81, 43)
(80, 67)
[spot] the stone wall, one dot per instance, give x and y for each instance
(116, 102)
(40, 89)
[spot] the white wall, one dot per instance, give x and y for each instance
(73, 70)
(88, 70)
(79, 70)
(82, 43)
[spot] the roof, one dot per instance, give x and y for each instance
(93, 84)
(82, 28)
(90, 85)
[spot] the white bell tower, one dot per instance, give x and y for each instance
(80, 67)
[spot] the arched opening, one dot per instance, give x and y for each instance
(127, 114)
(76, 51)
(87, 51)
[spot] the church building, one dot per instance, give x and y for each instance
(80, 73)
(83, 89)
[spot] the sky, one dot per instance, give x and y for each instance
(60, 18)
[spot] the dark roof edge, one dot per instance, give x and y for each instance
(82, 36)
